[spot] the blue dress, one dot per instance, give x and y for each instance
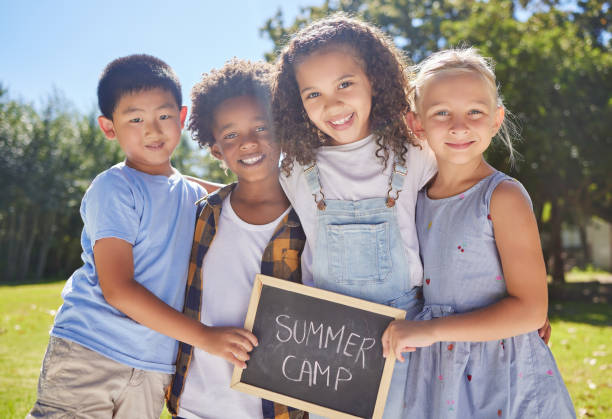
(510, 378)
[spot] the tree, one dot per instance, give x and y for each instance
(48, 159)
(554, 66)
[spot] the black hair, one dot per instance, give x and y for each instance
(135, 73)
(235, 78)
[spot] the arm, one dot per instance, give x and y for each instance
(115, 266)
(525, 307)
(209, 186)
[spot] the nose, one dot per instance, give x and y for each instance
(332, 101)
(248, 142)
(459, 128)
(152, 127)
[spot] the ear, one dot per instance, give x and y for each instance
(107, 127)
(215, 150)
(414, 123)
(500, 112)
(183, 115)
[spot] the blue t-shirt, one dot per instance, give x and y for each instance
(156, 215)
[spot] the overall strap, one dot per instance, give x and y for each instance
(314, 184)
(396, 182)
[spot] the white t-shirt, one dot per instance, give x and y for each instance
(228, 271)
(352, 172)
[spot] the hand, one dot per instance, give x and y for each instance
(230, 343)
(545, 331)
(405, 336)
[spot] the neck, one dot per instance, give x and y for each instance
(160, 170)
(453, 179)
(259, 202)
(268, 189)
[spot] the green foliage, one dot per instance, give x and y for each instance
(554, 64)
(48, 158)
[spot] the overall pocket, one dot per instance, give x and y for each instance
(359, 253)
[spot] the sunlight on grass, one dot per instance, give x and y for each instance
(581, 343)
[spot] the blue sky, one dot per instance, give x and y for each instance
(65, 44)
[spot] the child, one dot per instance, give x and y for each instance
(485, 292)
(245, 228)
(340, 102)
(113, 345)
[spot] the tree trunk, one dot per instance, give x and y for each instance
(586, 249)
(46, 239)
(556, 246)
(31, 233)
(10, 246)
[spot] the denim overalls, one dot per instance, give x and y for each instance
(359, 252)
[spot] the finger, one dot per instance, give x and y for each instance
(239, 353)
(242, 341)
(408, 349)
(385, 343)
(248, 336)
(229, 356)
(398, 354)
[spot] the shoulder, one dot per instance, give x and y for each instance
(110, 183)
(509, 198)
(193, 188)
(291, 183)
(421, 163)
(214, 199)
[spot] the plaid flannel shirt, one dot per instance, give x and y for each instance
(281, 259)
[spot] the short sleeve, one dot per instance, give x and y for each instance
(110, 209)
(289, 183)
(429, 166)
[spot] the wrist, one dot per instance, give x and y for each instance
(203, 337)
(435, 330)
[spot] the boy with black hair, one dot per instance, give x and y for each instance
(243, 229)
(113, 344)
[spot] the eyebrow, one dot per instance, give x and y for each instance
(477, 102)
(132, 109)
(258, 118)
(345, 76)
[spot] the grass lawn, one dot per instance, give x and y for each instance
(581, 343)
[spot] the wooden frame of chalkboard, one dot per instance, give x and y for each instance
(268, 291)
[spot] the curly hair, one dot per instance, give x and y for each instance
(235, 78)
(384, 66)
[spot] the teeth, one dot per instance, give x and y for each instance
(343, 120)
(252, 160)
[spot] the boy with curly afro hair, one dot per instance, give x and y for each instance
(249, 223)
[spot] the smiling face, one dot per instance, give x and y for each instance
(243, 139)
(147, 124)
(458, 115)
(336, 94)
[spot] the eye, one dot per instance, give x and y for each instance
(313, 95)
(261, 128)
(164, 117)
(475, 113)
(345, 84)
(442, 113)
(230, 136)
(136, 120)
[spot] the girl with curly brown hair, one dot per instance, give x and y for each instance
(339, 104)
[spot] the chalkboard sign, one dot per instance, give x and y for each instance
(318, 351)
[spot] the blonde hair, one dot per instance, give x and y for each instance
(463, 60)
